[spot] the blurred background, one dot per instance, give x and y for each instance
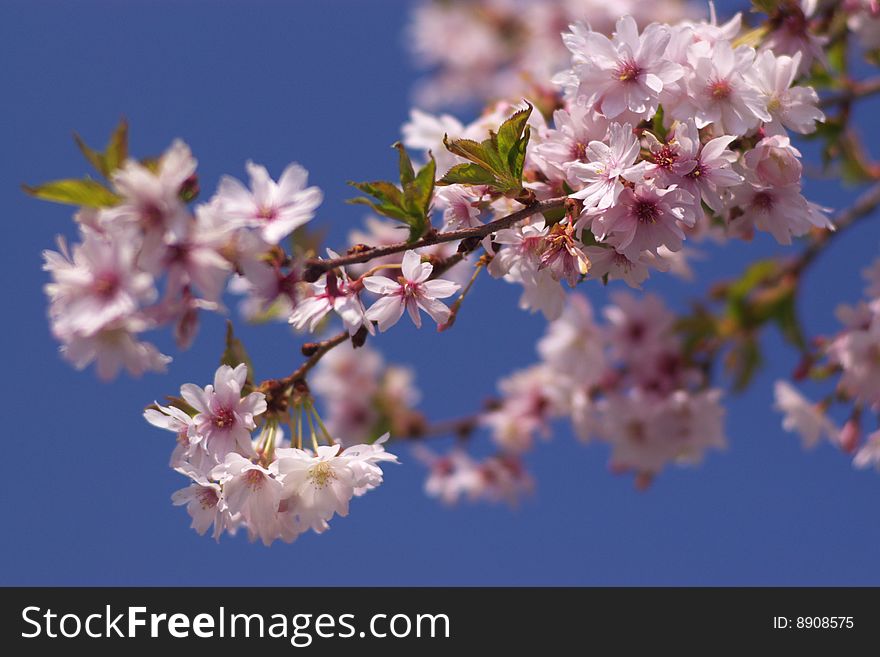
(85, 481)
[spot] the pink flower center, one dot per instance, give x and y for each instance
(267, 213)
(579, 152)
(698, 171)
(106, 284)
(763, 201)
(208, 498)
(410, 289)
(720, 89)
(646, 212)
(627, 71)
(665, 157)
(151, 215)
(223, 418)
(321, 474)
(254, 479)
(636, 431)
(635, 332)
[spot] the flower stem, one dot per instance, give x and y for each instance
(317, 266)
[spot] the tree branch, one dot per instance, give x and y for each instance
(318, 351)
(864, 206)
(854, 91)
(314, 267)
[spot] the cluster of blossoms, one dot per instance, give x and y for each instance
(670, 132)
(364, 396)
(864, 21)
(853, 358)
(646, 134)
(104, 289)
(260, 482)
(412, 291)
(488, 49)
(627, 382)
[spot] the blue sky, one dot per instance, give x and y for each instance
(85, 480)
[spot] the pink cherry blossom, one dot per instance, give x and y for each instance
(112, 348)
(275, 208)
(791, 107)
(411, 292)
(254, 492)
(721, 93)
(95, 284)
(646, 218)
(600, 177)
(225, 418)
(803, 417)
(205, 504)
(331, 293)
(782, 211)
(624, 75)
(151, 198)
(319, 485)
(774, 161)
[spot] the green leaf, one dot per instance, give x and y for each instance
(418, 195)
(178, 402)
(411, 202)
(518, 155)
(83, 191)
(407, 174)
(657, 128)
(743, 362)
(235, 354)
(497, 161)
(785, 316)
(467, 174)
(389, 199)
(482, 153)
(738, 307)
(420, 192)
(510, 131)
(767, 6)
(113, 155)
(385, 209)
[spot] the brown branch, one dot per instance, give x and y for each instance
(317, 350)
(314, 267)
(854, 91)
(864, 206)
(461, 428)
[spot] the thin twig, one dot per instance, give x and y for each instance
(864, 206)
(853, 92)
(316, 266)
(322, 348)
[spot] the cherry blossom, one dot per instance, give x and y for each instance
(253, 491)
(114, 347)
(225, 418)
(331, 294)
(276, 208)
(412, 291)
(205, 504)
(791, 107)
(607, 165)
(624, 75)
(319, 485)
(722, 94)
(646, 218)
(802, 416)
(95, 284)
